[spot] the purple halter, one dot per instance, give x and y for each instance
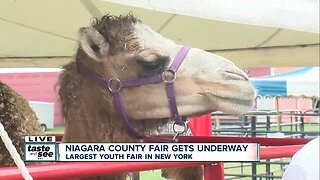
(115, 85)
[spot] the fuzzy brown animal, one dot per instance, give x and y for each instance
(18, 119)
(124, 48)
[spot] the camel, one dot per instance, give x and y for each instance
(18, 119)
(122, 47)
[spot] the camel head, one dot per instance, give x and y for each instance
(125, 48)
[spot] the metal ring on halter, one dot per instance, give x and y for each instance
(117, 86)
(184, 125)
(177, 132)
(166, 78)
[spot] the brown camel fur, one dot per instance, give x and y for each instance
(122, 47)
(18, 119)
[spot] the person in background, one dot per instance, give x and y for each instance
(305, 163)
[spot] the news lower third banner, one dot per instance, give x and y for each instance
(45, 148)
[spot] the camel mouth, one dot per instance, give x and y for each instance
(241, 99)
(232, 105)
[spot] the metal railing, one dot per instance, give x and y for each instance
(282, 124)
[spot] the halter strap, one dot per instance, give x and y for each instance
(170, 84)
(115, 91)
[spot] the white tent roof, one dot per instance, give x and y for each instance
(289, 14)
(39, 33)
(301, 82)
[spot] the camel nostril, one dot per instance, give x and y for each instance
(236, 75)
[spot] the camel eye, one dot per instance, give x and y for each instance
(154, 66)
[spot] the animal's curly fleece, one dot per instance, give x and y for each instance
(18, 119)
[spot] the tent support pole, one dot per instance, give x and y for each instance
(278, 113)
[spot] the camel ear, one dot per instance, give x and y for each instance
(93, 43)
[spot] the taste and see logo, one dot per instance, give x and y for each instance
(40, 148)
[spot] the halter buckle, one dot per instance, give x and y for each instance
(114, 85)
(169, 76)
